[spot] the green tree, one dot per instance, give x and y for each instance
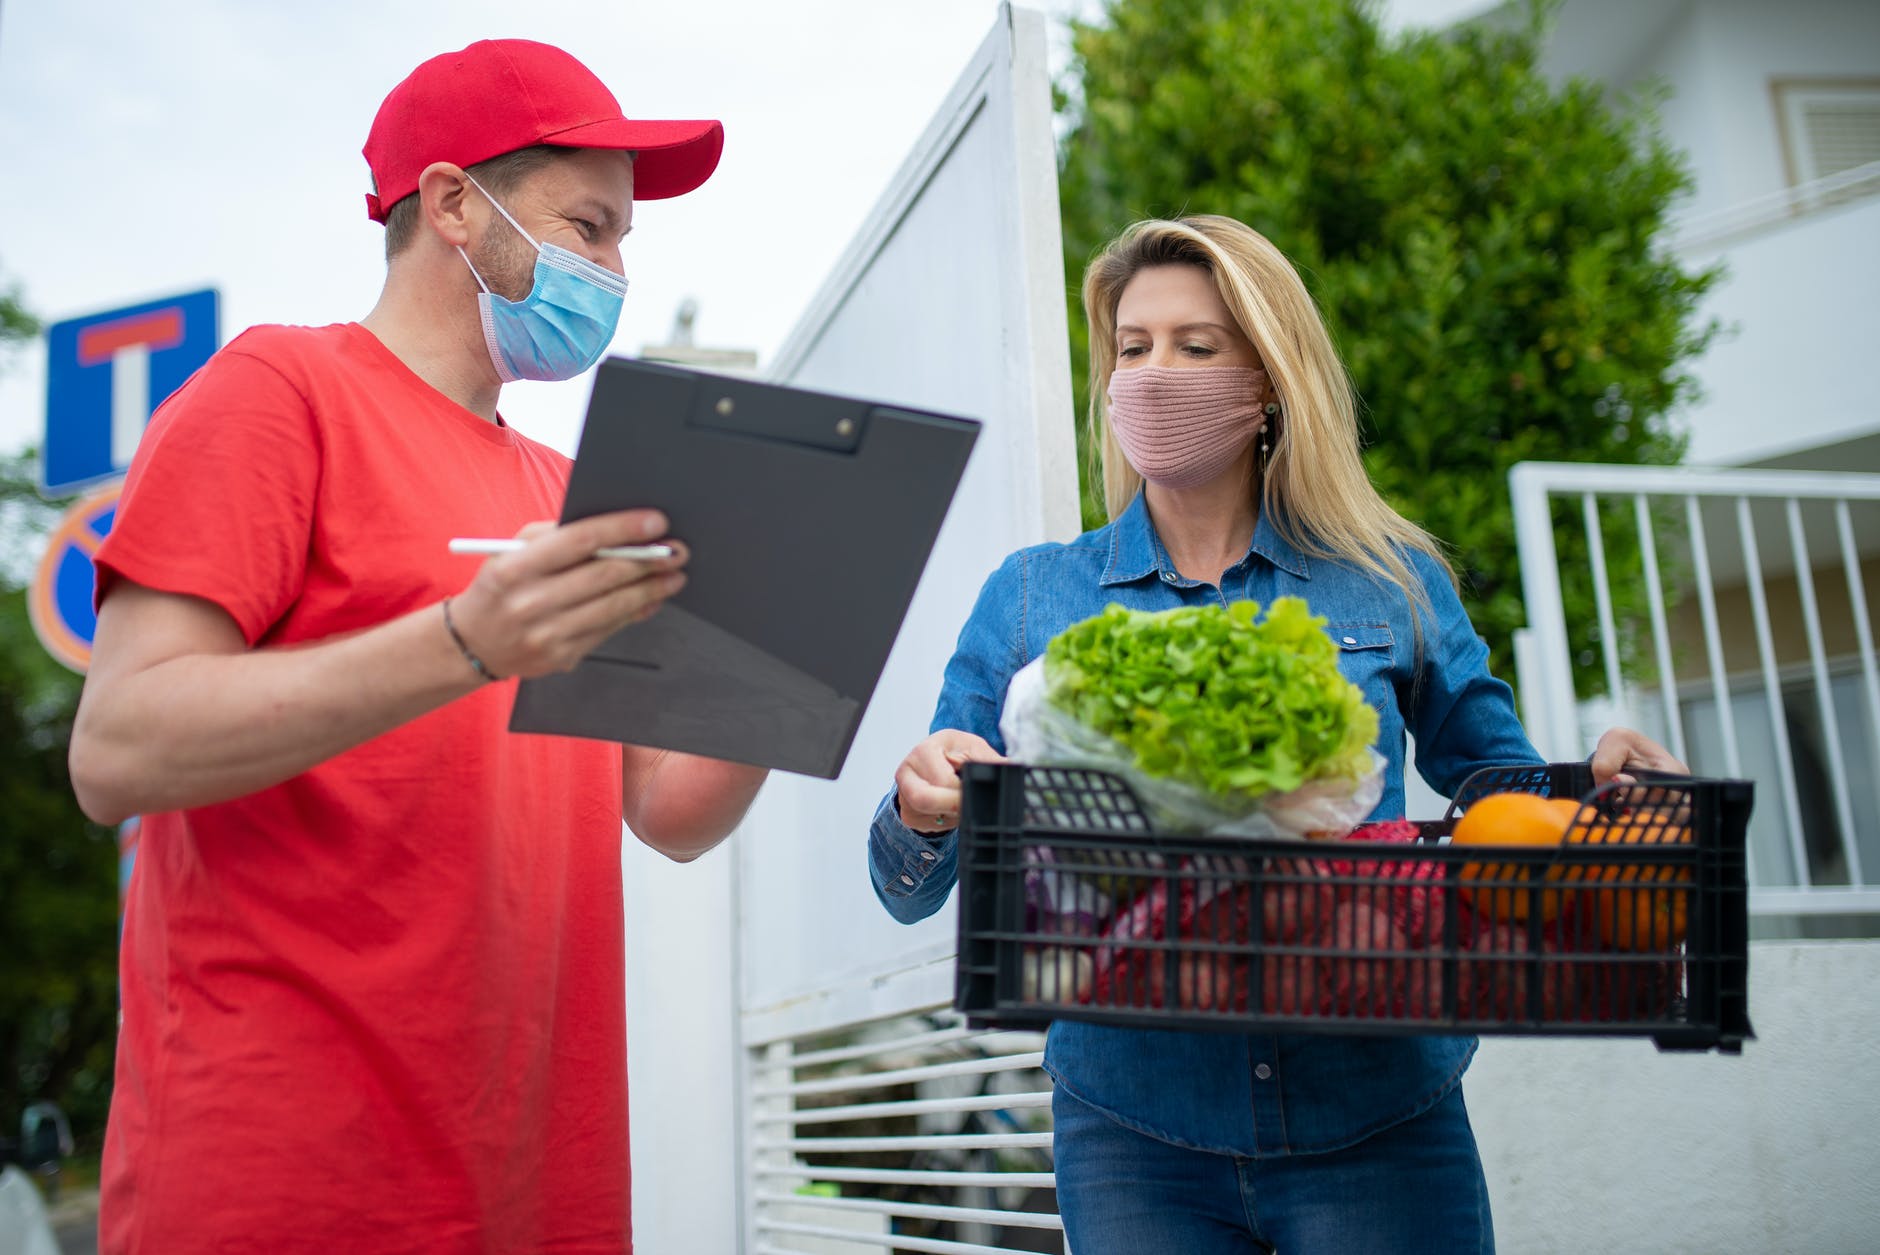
(1484, 244)
(58, 870)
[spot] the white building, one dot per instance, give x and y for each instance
(1777, 106)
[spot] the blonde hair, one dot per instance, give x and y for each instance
(1314, 487)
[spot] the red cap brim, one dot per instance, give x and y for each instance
(671, 158)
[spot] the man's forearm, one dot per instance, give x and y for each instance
(202, 728)
(682, 805)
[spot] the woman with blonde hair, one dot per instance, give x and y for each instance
(1225, 433)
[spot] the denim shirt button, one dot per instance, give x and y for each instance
(1263, 1071)
(927, 855)
(1168, 577)
(1351, 640)
(909, 880)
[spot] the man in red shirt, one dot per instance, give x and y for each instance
(372, 964)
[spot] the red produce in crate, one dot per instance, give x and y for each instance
(1492, 978)
(1209, 912)
(1416, 903)
(1401, 979)
(1296, 901)
(1368, 988)
(1301, 904)
(1293, 984)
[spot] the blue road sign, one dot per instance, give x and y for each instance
(59, 602)
(107, 372)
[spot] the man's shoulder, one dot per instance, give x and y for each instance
(288, 347)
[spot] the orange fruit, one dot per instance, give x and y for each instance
(1638, 918)
(1512, 819)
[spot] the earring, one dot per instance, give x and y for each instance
(1272, 412)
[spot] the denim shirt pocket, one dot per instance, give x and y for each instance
(1364, 650)
(1367, 656)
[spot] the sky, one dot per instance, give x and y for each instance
(159, 147)
(155, 147)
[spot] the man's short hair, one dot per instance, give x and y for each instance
(498, 174)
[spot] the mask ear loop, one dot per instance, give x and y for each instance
(473, 271)
(504, 212)
(506, 218)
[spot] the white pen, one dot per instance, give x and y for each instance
(492, 544)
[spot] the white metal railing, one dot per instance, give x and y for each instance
(1716, 227)
(980, 1101)
(1776, 680)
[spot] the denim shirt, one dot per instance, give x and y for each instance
(1258, 1094)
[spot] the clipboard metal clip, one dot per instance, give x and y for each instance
(756, 410)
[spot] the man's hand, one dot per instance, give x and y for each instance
(543, 608)
(929, 778)
(178, 711)
(1622, 751)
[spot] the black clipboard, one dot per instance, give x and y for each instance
(810, 518)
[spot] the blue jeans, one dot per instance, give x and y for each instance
(1413, 1189)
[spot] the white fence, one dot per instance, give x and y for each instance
(1731, 614)
(942, 1135)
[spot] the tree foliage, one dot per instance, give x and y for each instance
(58, 870)
(1483, 244)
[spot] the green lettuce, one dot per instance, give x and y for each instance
(1215, 696)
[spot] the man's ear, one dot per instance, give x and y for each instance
(444, 202)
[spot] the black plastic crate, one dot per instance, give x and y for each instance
(1072, 907)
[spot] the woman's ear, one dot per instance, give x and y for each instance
(444, 202)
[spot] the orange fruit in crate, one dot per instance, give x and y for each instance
(1511, 819)
(1639, 918)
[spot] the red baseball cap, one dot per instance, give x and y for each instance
(499, 95)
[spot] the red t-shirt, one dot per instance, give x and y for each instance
(378, 1007)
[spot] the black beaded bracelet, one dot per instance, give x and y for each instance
(475, 662)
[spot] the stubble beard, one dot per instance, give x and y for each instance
(505, 260)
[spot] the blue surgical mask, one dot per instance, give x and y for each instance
(565, 322)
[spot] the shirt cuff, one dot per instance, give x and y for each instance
(902, 859)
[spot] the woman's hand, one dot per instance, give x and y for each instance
(1622, 751)
(929, 778)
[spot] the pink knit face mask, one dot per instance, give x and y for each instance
(1182, 426)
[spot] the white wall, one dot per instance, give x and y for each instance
(950, 298)
(1612, 1146)
(1722, 159)
(1718, 58)
(1801, 302)
(681, 1052)
(1747, 43)
(1431, 14)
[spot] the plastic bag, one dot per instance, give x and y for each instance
(1036, 732)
